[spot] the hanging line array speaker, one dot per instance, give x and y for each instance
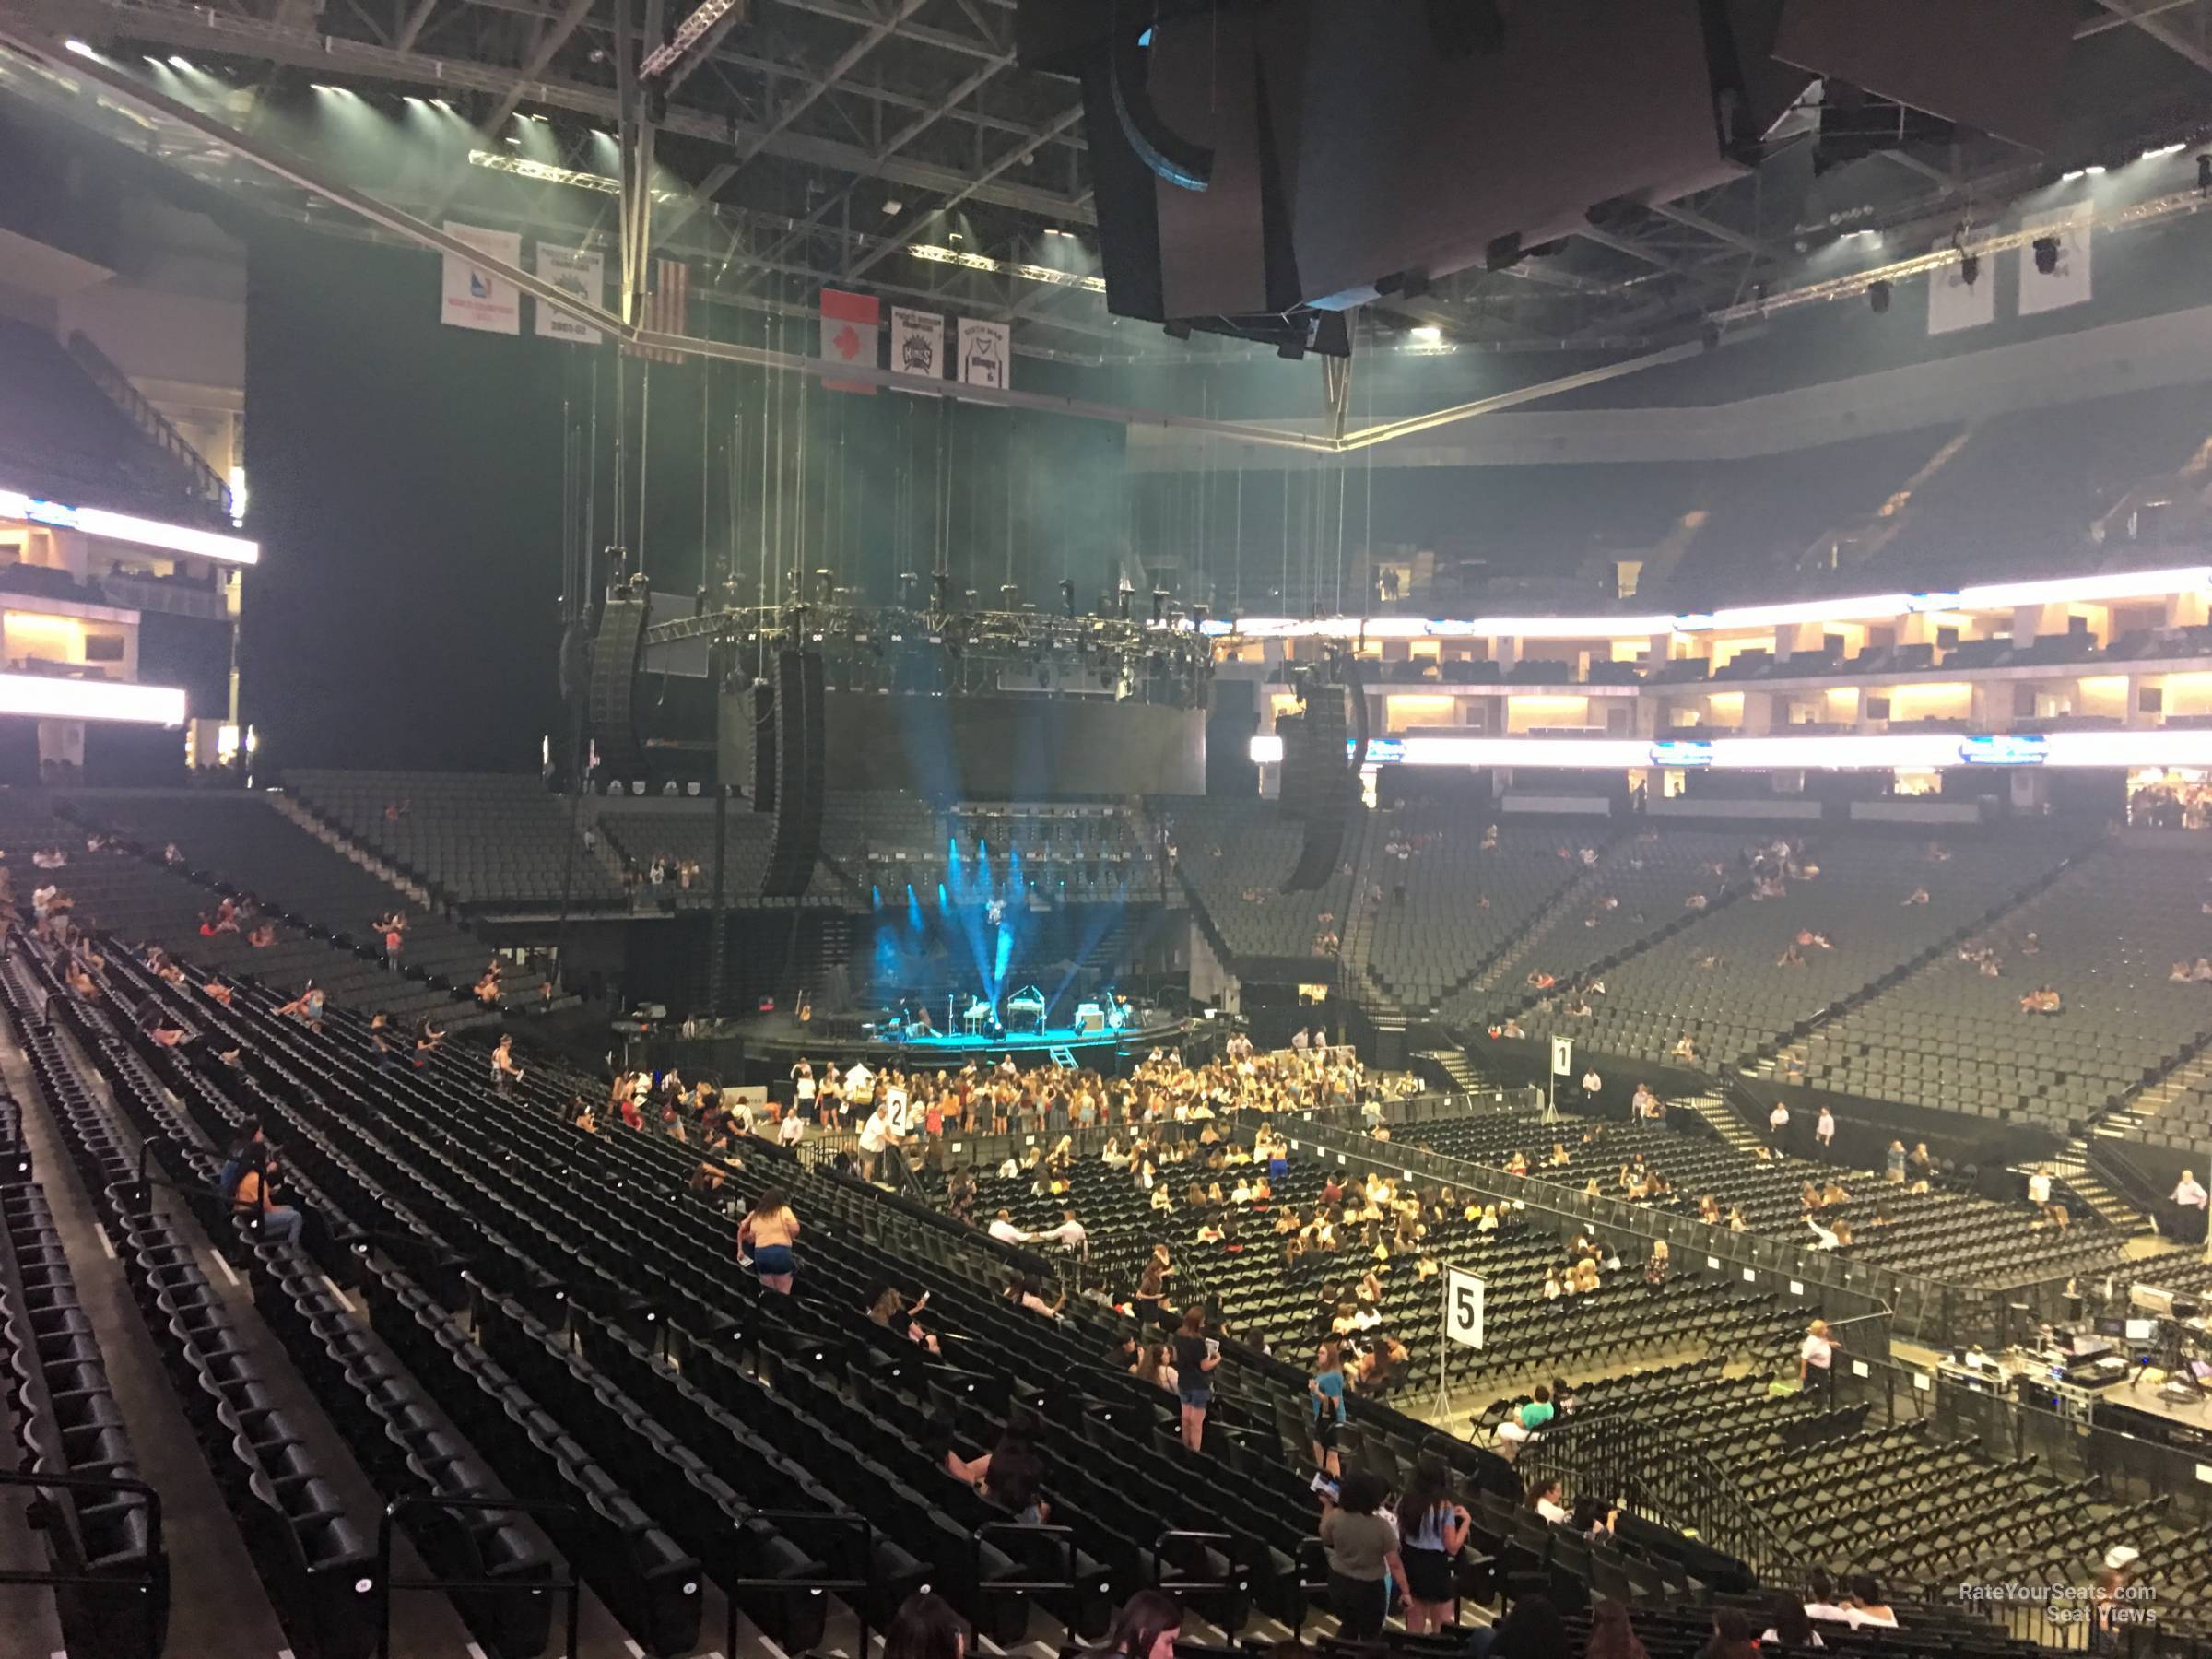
(800, 720)
(1321, 781)
(610, 698)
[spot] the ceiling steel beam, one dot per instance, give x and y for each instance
(875, 34)
(776, 70)
(245, 36)
(893, 145)
(2148, 17)
(552, 36)
(411, 30)
(974, 186)
(1694, 220)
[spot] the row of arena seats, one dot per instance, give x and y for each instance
(239, 843)
(317, 1562)
(1290, 1308)
(105, 1539)
(469, 838)
(1721, 982)
(1444, 904)
(2106, 936)
(844, 1400)
(136, 898)
(1949, 1235)
(1232, 857)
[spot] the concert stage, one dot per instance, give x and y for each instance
(765, 1046)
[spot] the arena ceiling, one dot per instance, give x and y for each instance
(821, 141)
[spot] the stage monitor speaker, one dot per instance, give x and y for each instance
(611, 702)
(800, 716)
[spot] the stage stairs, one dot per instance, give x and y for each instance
(1454, 1064)
(1728, 1122)
(2070, 1167)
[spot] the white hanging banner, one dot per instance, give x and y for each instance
(986, 355)
(473, 296)
(2068, 282)
(1954, 303)
(572, 271)
(918, 342)
(1562, 1056)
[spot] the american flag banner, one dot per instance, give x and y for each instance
(667, 309)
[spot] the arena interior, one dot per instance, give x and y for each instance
(1159, 829)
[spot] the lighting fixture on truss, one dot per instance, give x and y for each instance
(1029, 273)
(662, 59)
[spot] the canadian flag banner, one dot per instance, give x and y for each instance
(850, 322)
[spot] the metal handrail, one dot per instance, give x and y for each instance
(570, 1585)
(817, 1584)
(98, 1483)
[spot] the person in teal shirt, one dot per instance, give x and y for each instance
(1326, 1390)
(1539, 1410)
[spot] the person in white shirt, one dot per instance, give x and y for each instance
(1868, 1605)
(1592, 1083)
(1002, 1228)
(1821, 1603)
(1824, 1130)
(859, 1083)
(2189, 1193)
(1069, 1235)
(1544, 1499)
(2038, 1188)
(874, 1138)
(802, 1085)
(791, 1131)
(1816, 1354)
(1779, 1119)
(1823, 1238)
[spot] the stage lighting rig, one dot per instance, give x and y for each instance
(2046, 254)
(1123, 595)
(1067, 596)
(1160, 607)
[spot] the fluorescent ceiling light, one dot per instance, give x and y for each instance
(126, 527)
(78, 47)
(41, 698)
(1428, 334)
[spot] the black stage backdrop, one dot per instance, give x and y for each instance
(405, 481)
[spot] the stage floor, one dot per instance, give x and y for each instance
(780, 1035)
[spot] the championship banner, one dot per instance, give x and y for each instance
(918, 342)
(474, 298)
(1954, 303)
(986, 355)
(2068, 283)
(572, 271)
(850, 322)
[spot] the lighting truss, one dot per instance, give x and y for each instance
(1029, 273)
(662, 59)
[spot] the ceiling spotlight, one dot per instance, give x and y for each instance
(1969, 268)
(321, 86)
(2162, 152)
(442, 104)
(1878, 296)
(78, 47)
(177, 60)
(1428, 334)
(2046, 254)
(892, 204)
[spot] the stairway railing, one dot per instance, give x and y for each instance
(205, 485)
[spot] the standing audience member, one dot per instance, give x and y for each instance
(769, 1234)
(1326, 1405)
(1362, 1548)
(1431, 1532)
(1196, 1355)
